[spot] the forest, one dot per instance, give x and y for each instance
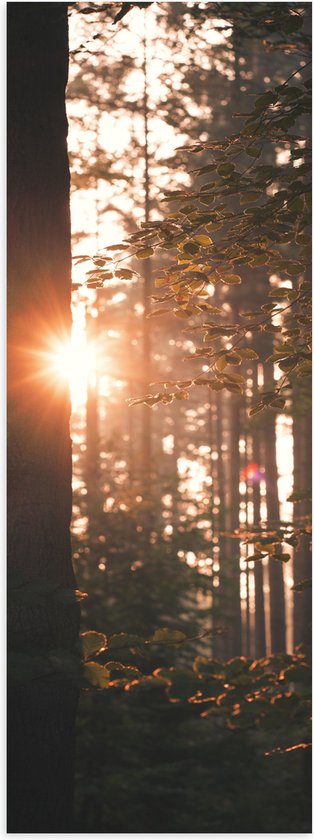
(159, 417)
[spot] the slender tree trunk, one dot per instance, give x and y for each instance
(147, 289)
(302, 436)
(92, 420)
(234, 574)
(260, 630)
(41, 715)
(219, 643)
(276, 583)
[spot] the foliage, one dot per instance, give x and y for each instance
(243, 219)
(249, 236)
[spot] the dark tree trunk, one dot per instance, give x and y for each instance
(302, 442)
(41, 715)
(260, 629)
(233, 524)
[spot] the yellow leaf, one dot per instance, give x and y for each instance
(203, 240)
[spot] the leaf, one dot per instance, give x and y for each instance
(216, 386)
(221, 363)
(81, 258)
(97, 675)
(298, 673)
(300, 496)
(256, 409)
(207, 667)
(266, 99)
(182, 395)
(144, 253)
(191, 248)
(279, 402)
(233, 388)
(166, 636)
(203, 240)
(207, 199)
(302, 585)
(157, 312)
(124, 273)
(124, 640)
(272, 328)
(233, 358)
(234, 377)
(93, 643)
(292, 24)
(225, 169)
(247, 198)
(253, 151)
(122, 246)
(181, 313)
(247, 353)
(231, 279)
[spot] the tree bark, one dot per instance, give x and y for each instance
(302, 437)
(41, 715)
(276, 583)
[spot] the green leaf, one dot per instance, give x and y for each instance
(144, 253)
(256, 409)
(279, 402)
(298, 673)
(233, 358)
(166, 636)
(93, 643)
(253, 151)
(247, 198)
(216, 386)
(263, 101)
(207, 199)
(162, 311)
(191, 248)
(233, 387)
(300, 496)
(234, 377)
(207, 667)
(221, 363)
(203, 240)
(247, 353)
(302, 585)
(96, 675)
(225, 169)
(124, 640)
(292, 24)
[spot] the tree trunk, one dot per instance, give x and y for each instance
(302, 442)
(41, 714)
(276, 583)
(260, 630)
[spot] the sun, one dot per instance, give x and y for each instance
(75, 362)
